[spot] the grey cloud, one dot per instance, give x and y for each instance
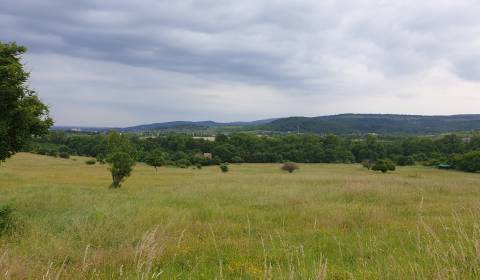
(242, 40)
(305, 49)
(203, 31)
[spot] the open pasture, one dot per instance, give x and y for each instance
(324, 221)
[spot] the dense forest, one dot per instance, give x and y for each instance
(376, 123)
(183, 150)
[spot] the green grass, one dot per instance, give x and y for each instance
(325, 221)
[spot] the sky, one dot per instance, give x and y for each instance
(126, 62)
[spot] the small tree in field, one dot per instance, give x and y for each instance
(156, 158)
(290, 167)
(224, 167)
(367, 164)
(121, 165)
(384, 165)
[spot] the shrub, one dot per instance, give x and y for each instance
(42, 151)
(197, 158)
(199, 166)
(64, 149)
(367, 164)
(469, 162)
(121, 165)
(384, 165)
(183, 163)
(405, 160)
(100, 158)
(224, 167)
(90, 162)
(64, 155)
(215, 160)
(52, 153)
(290, 167)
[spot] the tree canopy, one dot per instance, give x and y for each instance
(121, 166)
(156, 158)
(22, 114)
(184, 150)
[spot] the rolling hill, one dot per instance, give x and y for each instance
(376, 123)
(334, 124)
(192, 125)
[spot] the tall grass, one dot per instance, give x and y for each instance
(254, 222)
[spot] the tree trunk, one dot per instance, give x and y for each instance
(116, 180)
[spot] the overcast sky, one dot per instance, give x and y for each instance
(119, 63)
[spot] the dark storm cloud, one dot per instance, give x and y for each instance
(170, 40)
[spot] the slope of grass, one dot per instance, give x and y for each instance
(255, 222)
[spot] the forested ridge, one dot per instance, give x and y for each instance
(343, 124)
(376, 123)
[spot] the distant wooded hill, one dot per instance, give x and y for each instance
(334, 124)
(186, 125)
(376, 123)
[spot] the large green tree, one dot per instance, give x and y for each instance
(22, 114)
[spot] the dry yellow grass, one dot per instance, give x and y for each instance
(325, 221)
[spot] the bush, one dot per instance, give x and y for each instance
(100, 158)
(224, 167)
(64, 149)
(121, 165)
(290, 167)
(90, 162)
(52, 153)
(384, 165)
(6, 219)
(42, 151)
(367, 164)
(199, 166)
(183, 163)
(64, 155)
(405, 160)
(469, 162)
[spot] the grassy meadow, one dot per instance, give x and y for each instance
(325, 221)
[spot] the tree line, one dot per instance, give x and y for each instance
(460, 152)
